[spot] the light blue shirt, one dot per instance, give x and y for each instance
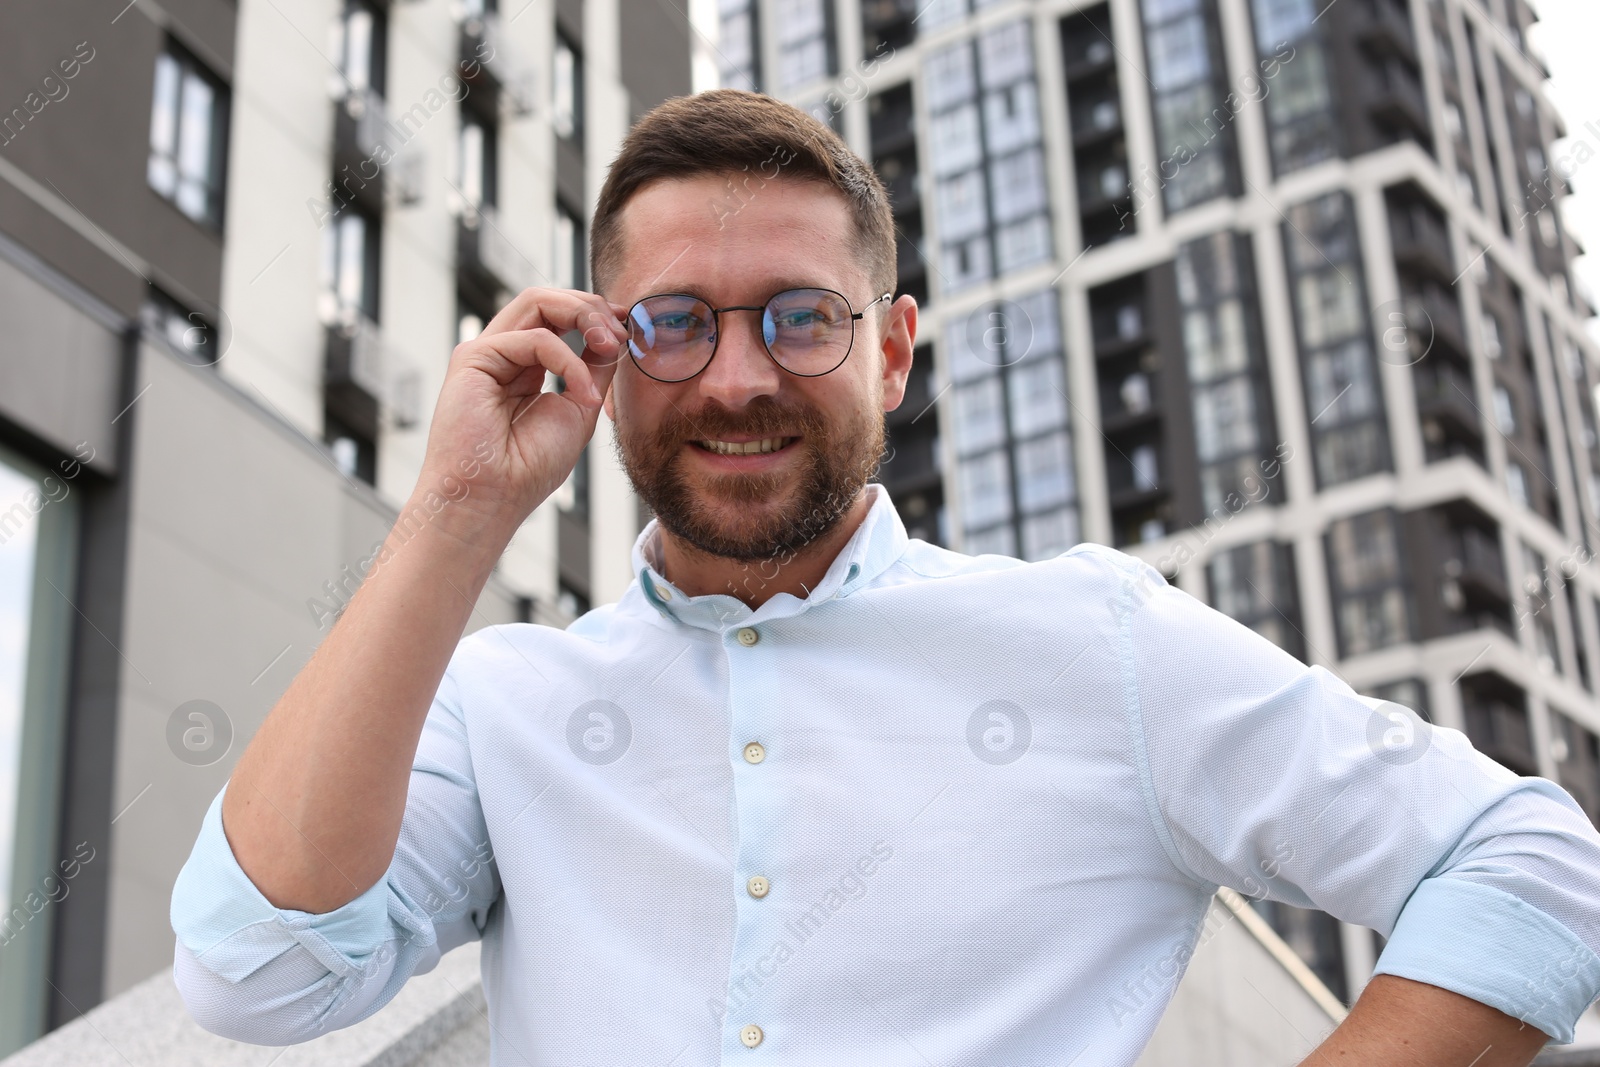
(945, 809)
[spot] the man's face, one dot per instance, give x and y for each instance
(696, 236)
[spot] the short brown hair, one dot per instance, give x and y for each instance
(739, 132)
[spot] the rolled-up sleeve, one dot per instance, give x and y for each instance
(254, 972)
(1278, 780)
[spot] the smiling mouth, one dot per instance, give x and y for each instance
(745, 448)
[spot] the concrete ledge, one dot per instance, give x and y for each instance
(438, 1020)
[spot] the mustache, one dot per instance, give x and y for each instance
(758, 419)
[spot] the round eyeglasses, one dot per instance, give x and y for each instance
(808, 332)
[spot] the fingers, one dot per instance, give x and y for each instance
(562, 310)
(505, 355)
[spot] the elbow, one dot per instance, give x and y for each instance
(245, 1010)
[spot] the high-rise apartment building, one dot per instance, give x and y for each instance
(238, 242)
(1272, 293)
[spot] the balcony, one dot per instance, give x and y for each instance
(364, 380)
(359, 124)
(491, 65)
(1446, 393)
(1420, 239)
(487, 257)
(1394, 96)
(1497, 721)
(1383, 27)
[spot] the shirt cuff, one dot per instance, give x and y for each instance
(1497, 949)
(233, 930)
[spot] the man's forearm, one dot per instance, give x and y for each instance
(314, 807)
(1400, 1023)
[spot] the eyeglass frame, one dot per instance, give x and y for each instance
(716, 327)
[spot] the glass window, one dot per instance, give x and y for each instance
(1225, 419)
(1005, 54)
(1214, 340)
(349, 267)
(1044, 472)
(1038, 396)
(954, 141)
(950, 77)
(962, 206)
(567, 253)
(1011, 117)
(1491, 335)
(1178, 54)
(1050, 534)
(986, 489)
(1022, 244)
(187, 130)
(566, 93)
(1517, 483)
(477, 152)
(1504, 417)
(999, 540)
(979, 417)
(1018, 183)
(38, 520)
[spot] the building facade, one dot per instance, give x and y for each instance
(238, 242)
(1271, 293)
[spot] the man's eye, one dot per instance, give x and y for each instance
(795, 319)
(680, 321)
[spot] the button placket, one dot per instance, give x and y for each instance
(751, 693)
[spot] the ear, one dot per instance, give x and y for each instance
(610, 403)
(899, 341)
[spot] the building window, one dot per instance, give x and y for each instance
(478, 157)
(1349, 429)
(1016, 469)
(805, 41)
(1302, 125)
(1255, 585)
(739, 49)
(1371, 606)
(1577, 755)
(1407, 692)
(1193, 125)
(567, 256)
(985, 147)
(566, 93)
(188, 135)
(38, 517)
(350, 267)
(1229, 392)
(1496, 713)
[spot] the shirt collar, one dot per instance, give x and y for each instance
(877, 543)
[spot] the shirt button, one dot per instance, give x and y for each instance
(754, 752)
(750, 1035)
(748, 636)
(758, 886)
(663, 592)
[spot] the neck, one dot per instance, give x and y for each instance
(755, 582)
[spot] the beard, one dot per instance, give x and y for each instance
(747, 517)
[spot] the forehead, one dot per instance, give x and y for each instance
(736, 238)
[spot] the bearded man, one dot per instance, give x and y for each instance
(813, 792)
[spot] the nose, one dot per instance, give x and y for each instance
(741, 370)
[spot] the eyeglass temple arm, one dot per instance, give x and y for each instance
(863, 311)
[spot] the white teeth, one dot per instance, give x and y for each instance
(733, 448)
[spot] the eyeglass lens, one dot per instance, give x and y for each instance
(807, 331)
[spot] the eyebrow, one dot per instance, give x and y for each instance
(778, 285)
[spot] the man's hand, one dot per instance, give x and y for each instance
(492, 404)
(313, 810)
(1400, 1023)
